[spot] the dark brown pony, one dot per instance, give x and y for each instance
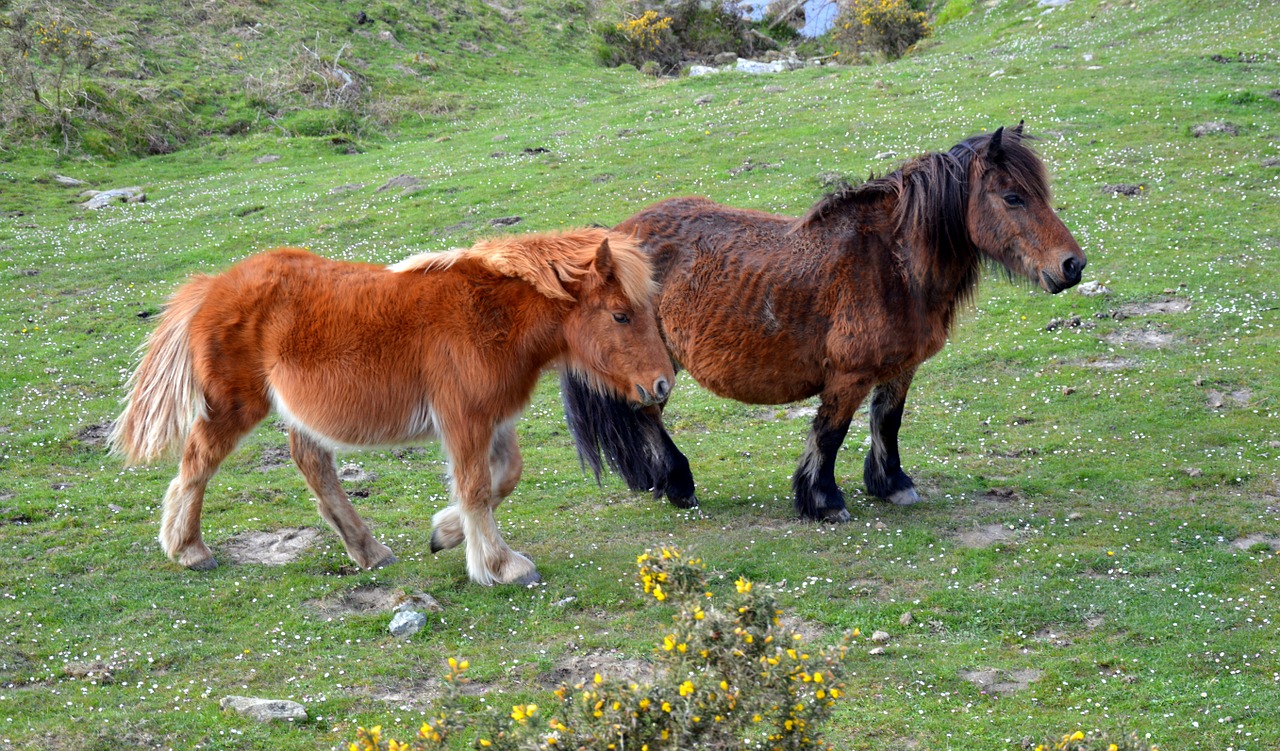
(843, 302)
(446, 345)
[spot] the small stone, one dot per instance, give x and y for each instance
(506, 221)
(1093, 289)
(114, 508)
(906, 619)
(267, 159)
(880, 636)
(264, 710)
(1068, 391)
(886, 155)
(704, 99)
(876, 651)
(1075, 516)
(68, 182)
(406, 623)
(353, 473)
(1193, 472)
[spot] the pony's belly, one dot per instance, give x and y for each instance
(361, 423)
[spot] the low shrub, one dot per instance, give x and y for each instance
(683, 30)
(880, 27)
(729, 676)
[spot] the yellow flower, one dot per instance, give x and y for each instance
(1077, 736)
(686, 688)
(743, 585)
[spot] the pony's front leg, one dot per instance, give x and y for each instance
(489, 559)
(817, 495)
(882, 470)
(505, 467)
(317, 466)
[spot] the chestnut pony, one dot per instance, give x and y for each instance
(440, 345)
(844, 302)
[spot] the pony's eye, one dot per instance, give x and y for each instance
(1014, 200)
(622, 318)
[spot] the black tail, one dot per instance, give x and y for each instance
(633, 442)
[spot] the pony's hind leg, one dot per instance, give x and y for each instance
(882, 470)
(206, 446)
(817, 495)
(505, 467)
(317, 466)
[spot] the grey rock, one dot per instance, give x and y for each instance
(68, 182)
(702, 70)
(267, 159)
(880, 637)
(1093, 289)
(265, 710)
(406, 623)
(103, 198)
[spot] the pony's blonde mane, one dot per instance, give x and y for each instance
(548, 260)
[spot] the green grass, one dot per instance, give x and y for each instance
(1121, 499)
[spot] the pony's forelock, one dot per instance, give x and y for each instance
(550, 260)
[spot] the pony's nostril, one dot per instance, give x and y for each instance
(1071, 269)
(644, 394)
(661, 388)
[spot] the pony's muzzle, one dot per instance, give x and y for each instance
(1069, 274)
(657, 394)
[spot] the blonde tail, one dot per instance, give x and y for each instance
(165, 398)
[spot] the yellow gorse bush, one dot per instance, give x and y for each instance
(887, 27)
(645, 31)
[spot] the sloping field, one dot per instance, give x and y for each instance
(1097, 548)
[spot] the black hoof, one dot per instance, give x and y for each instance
(836, 515)
(386, 562)
(208, 564)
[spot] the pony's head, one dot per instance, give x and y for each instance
(612, 332)
(1008, 215)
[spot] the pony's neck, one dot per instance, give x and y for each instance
(929, 213)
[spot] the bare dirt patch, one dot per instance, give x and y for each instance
(574, 669)
(274, 457)
(269, 548)
(1161, 307)
(1110, 363)
(95, 434)
(985, 536)
(371, 598)
(1257, 541)
(1221, 400)
(1001, 682)
(1145, 338)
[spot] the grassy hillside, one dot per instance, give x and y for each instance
(1102, 495)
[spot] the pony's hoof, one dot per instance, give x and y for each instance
(836, 515)
(387, 561)
(683, 503)
(904, 497)
(441, 540)
(205, 564)
(530, 578)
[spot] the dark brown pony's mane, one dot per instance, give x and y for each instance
(549, 260)
(932, 191)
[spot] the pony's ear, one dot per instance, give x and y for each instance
(995, 149)
(1018, 130)
(604, 260)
